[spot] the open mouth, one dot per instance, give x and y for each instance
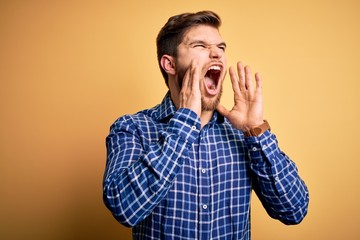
(212, 79)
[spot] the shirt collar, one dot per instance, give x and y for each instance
(166, 108)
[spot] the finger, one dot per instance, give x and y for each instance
(195, 74)
(190, 71)
(234, 80)
(241, 72)
(258, 82)
(248, 79)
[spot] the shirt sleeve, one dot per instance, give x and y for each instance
(276, 181)
(137, 178)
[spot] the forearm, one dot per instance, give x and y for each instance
(137, 180)
(276, 180)
(132, 193)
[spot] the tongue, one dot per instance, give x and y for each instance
(209, 79)
(210, 83)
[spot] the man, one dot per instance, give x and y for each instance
(185, 169)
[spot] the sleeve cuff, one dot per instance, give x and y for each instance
(265, 143)
(186, 124)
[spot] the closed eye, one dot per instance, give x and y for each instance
(222, 47)
(200, 45)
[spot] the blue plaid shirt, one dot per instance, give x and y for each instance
(169, 179)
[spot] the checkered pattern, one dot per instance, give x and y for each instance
(168, 179)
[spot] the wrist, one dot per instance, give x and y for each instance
(257, 130)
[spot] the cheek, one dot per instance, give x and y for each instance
(202, 57)
(180, 77)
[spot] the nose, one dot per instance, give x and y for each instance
(216, 52)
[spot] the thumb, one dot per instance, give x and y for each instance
(222, 110)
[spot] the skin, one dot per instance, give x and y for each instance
(202, 46)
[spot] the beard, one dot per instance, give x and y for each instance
(207, 104)
(210, 104)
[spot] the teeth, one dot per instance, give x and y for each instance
(215, 68)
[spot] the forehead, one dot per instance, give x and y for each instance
(204, 33)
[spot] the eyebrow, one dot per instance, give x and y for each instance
(223, 44)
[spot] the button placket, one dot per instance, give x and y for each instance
(204, 181)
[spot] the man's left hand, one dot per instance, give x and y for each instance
(247, 111)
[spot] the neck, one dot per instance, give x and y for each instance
(205, 117)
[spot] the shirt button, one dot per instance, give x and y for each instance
(254, 148)
(203, 170)
(205, 206)
(193, 128)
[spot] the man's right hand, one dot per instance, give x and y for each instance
(190, 94)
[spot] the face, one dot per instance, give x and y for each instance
(205, 44)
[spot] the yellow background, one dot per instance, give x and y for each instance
(68, 69)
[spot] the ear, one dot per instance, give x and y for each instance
(168, 64)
